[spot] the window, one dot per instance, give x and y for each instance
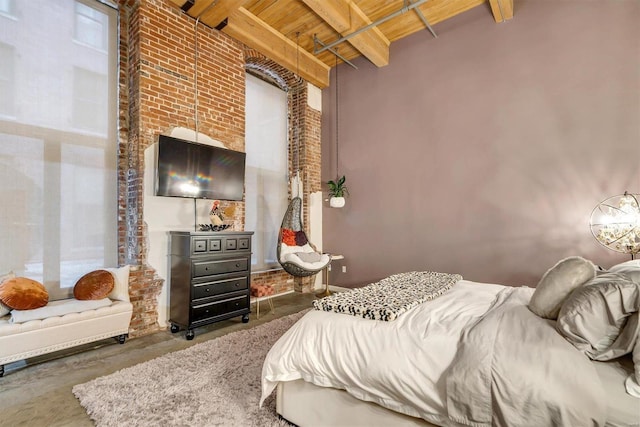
(7, 80)
(91, 26)
(266, 189)
(59, 182)
(8, 7)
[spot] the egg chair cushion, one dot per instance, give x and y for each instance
(298, 258)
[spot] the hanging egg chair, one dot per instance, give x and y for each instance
(297, 255)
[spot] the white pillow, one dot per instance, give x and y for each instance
(4, 310)
(557, 283)
(120, 290)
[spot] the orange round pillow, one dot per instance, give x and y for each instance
(95, 285)
(21, 293)
(288, 237)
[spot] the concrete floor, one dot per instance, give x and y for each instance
(37, 392)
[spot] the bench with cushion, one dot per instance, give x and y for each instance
(66, 323)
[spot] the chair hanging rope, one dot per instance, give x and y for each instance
(295, 102)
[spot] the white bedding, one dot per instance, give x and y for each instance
(403, 365)
(415, 386)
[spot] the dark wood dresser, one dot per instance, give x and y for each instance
(210, 278)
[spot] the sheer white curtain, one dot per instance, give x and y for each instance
(266, 189)
(58, 140)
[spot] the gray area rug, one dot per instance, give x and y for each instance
(214, 383)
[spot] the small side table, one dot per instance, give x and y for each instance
(326, 291)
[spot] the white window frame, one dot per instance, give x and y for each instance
(8, 8)
(96, 20)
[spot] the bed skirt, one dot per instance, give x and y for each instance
(305, 404)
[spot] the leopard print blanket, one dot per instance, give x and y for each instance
(390, 297)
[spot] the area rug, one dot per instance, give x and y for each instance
(214, 383)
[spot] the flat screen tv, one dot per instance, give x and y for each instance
(198, 171)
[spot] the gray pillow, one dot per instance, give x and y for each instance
(309, 256)
(631, 269)
(557, 283)
(601, 318)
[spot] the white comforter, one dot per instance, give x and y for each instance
(401, 365)
(355, 354)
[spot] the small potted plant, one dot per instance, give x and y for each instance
(337, 191)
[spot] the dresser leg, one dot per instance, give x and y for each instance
(190, 334)
(245, 317)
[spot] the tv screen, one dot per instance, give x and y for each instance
(198, 171)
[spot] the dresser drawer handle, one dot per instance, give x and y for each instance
(237, 304)
(238, 264)
(237, 284)
(207, 290)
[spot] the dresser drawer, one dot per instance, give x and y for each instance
(218, 308)
(244, 243)
(219, 287)
(208, 268)
(215, 245)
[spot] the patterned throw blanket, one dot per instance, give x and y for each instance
(390, 297)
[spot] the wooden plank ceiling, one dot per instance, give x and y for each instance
(293, 32)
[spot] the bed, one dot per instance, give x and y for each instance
(476, 355)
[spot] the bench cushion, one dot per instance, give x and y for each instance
(58, 308)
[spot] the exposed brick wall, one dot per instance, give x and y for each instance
(144, 284)
(157, 93)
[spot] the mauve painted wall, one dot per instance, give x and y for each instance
(484, 151)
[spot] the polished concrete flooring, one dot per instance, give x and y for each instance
(37, 392)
